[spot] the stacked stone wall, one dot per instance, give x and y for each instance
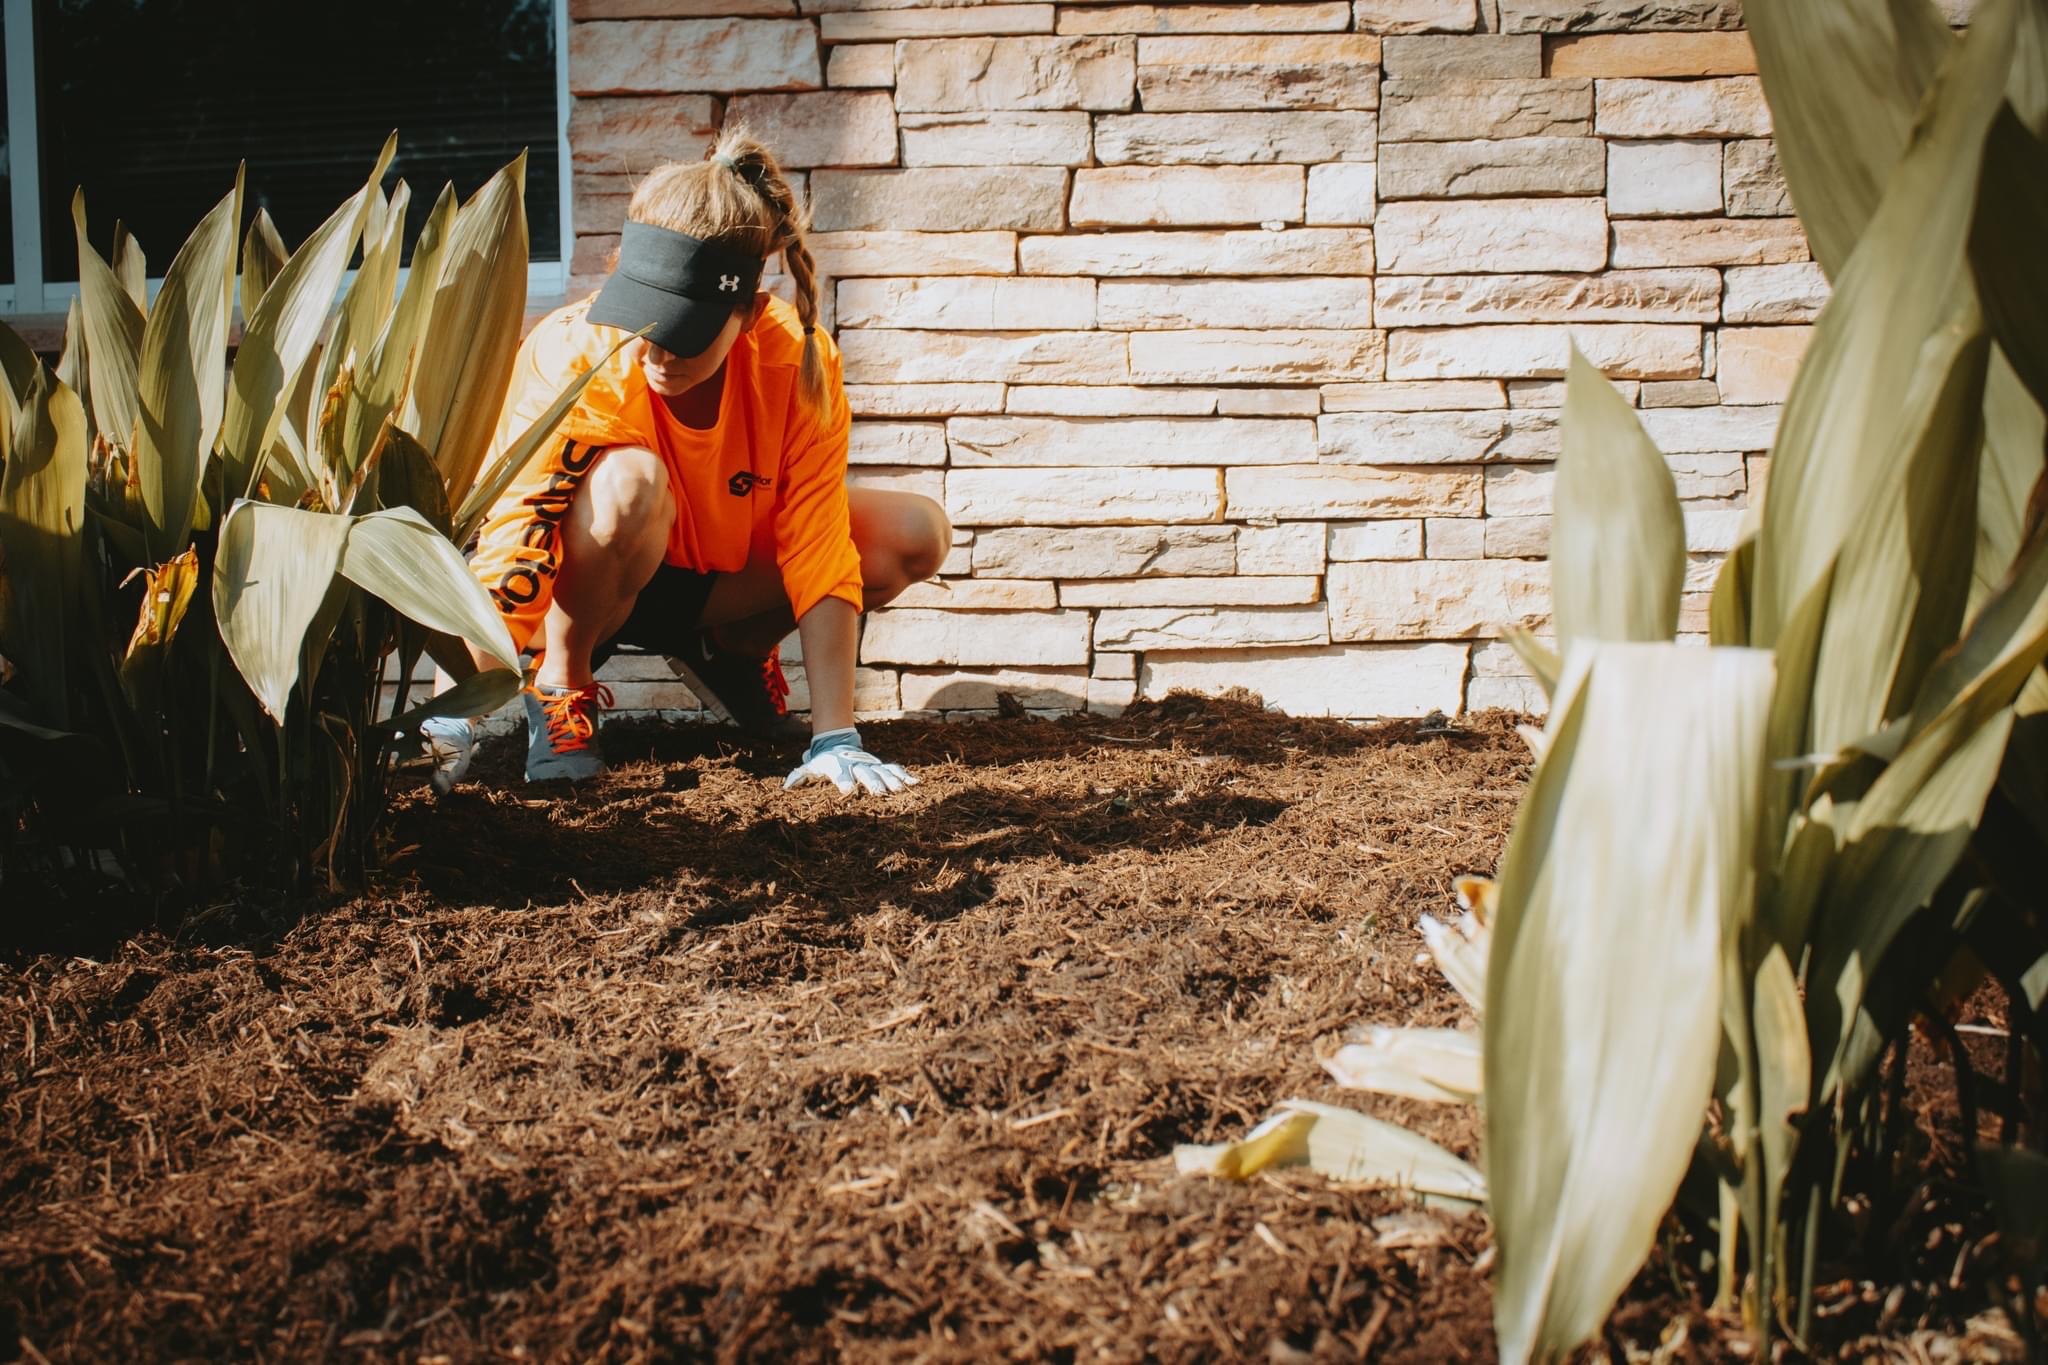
(1231, 335)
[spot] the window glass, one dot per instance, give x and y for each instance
(149, 104)
(6, 175)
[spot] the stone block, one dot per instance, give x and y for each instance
(1452, 395)
(1524, 537)
(1411, 438)
(1082, 497)
(1110, 400)
(1311, 304)
(830, 128)
(1323, 16)
(1759, 476)
(1351, 492)
(899, 443)
(1053, 137)
(1268, 402)
(1529, 493)
(1725, 106)
(1341, 193)
(1263, 357)
(1066, 552)
(1757, 364)
(1020, 442)
(1297, 251)
(1707, 241)
(632, 134)
(1353, 681)
(1663, 179)
(1794, 292)
(1514, 491)
(888, 25)
(1187, 196)
(1454, 538)
(1653, 54)
(1111, 667)
(1400, 538)
(1146, 628)
(1680, 393)
(713, 56)
(862, 66)
(877, 356)
(601, 202)
(1290, 547)
(1429, 238)
(1036, 689)
(923, 400)
(680, 9)
(1191, 592)
(1424, 599)
(843, 254)
(1238, 139)
(1612, 16)
(1722, 428)
(1415, 16)
(1108, 697)
(1490, 56)
(1713, 529)
(1754, 182)
(1438, 110)
(980, 594)
(969, 303)
(1280, 71)
(1549, 393)
(961, 75)
(1619, 349)
(1617, 296)
(941, 199)
(973, 639)
(1493, 168)
(926, 483)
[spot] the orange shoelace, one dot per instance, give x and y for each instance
(571, 716)
(772, 679)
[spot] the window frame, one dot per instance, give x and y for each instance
(30, 295)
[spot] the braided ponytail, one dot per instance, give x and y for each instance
(738, 196)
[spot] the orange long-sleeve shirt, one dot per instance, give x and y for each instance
(770, 459)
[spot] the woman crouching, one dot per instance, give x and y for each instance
(694, 503)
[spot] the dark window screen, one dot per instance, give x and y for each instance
(6, 175)
(149, 104)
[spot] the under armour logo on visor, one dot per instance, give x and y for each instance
(729, 284)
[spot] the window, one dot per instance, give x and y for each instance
(149, 105)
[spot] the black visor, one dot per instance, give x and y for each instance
(682, 288)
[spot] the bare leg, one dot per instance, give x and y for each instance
(612, 542)
(902, 539)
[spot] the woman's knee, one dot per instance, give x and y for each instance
(625, 503)
(923, 536)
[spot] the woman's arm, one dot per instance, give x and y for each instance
(830, 632)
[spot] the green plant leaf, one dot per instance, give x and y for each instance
(130, 267)
(1617, 541)
(1603, 990)
(181, 376)
(1784, 1074)
(263, 256)
(113, 339)
(1883, 403)
(281, 333)
(464, 358)
(1342, 1144)
(272, 571)
(2015, 437)
(477, 695)
(2005, 247)
(1844, 81)
(1728, 608)
(1437, 1065)
(42, 534)
(396, 556)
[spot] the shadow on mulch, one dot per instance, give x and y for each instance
(683, 1066)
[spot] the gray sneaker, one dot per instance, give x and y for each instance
(561, 732)
(451, 744)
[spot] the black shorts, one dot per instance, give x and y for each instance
(665, 616)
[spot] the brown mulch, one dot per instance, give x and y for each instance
(682, 1066)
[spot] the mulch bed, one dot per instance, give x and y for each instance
(680, 1065)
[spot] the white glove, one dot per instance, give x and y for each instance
(836, 757)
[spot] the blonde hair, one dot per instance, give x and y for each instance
(738, 197)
